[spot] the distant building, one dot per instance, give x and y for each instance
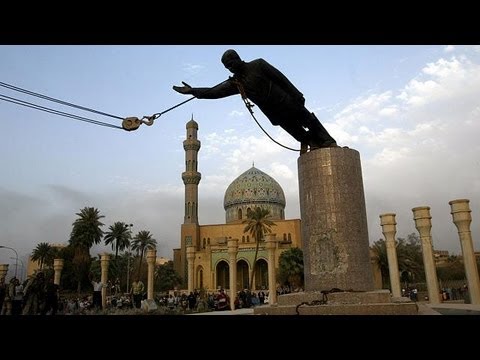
(252, 189)
(161, 261)
(440, 256)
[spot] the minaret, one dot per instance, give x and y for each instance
(191, 178)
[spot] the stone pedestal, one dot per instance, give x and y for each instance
(423, 223)
(57, 267)
(334, 220)
(151, 259)
(462, 219)
(378, 302)
(190, 267)
(232, 255)
(389, 229)
(335, 237)
(104, 262)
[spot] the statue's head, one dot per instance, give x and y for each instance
(232, 61)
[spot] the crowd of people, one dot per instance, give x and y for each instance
(35, 296)
(177, 301)
(39, 295)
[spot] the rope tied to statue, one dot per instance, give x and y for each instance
(249, 106)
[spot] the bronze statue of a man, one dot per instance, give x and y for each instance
(273, 93)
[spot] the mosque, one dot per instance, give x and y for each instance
(252, 189)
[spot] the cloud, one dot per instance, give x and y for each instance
(424, 150)
(192, 69)
(449, 48)
(388, 111)
(443, 80)
(236, 113)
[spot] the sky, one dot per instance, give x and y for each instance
(412, 112)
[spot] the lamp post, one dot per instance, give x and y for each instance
(21, 264)
(128, 265)
(16, 259)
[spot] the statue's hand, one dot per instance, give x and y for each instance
(186, 89)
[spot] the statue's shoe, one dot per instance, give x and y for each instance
(303, 148)
(329, 143)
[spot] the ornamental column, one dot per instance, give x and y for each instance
(389, 230)
(151, 259)
(104, 261)
(271, 245)
(57, 267)
(462, 219)
(3, 271)
(191, 264)
(423, 223)
(232, 254)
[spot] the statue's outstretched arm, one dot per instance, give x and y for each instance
(185, 89)
(226, 88)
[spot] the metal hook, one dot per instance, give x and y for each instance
(133, 123)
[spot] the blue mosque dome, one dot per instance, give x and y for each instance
(251, 189)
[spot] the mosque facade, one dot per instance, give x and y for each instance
(254, 188)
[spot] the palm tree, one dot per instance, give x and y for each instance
(258, 224)
(166, 277)
(42, 253)
(380, 253)
(290, 266)
(86, 231)
(119, 236)
(140, 243)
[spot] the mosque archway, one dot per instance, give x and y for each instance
(242, 275)
(261, 274)
(223, 275)
(199, 278)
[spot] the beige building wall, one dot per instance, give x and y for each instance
(211, 249)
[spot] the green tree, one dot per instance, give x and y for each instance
(412, 259)
(43, 253)
(119, 235)
(380, 253)
(140, 243)
(290, 266)
(68, 279)
(86, 231)
(409, 258)
(258, 224)
(166, 278)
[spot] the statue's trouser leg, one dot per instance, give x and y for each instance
(298, 132)
(319, 134)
